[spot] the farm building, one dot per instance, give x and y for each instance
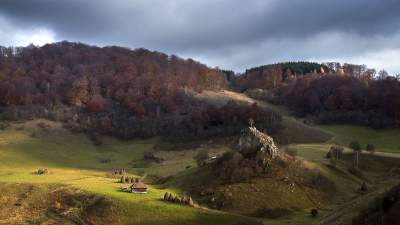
(139, 187)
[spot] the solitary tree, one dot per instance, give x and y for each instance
(329, 155)
(364, 187)
(370, 148)
(355, 145)
(201, 158)
(336, 152)
(314, 213)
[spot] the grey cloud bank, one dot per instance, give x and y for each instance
(231, 34)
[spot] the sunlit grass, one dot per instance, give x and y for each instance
(74, 161)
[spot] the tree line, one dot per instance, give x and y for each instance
(345, 99)
(118, 91)
(330, 92)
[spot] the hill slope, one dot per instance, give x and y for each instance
(294, 131)
(113, 90)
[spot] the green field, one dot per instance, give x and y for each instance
(386, 140)
(74, 161)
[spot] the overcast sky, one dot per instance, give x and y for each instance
(231, 34)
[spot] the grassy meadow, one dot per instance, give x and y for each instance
(74, 161)
(385, 140)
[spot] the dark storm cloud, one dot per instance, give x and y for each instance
(234, 33)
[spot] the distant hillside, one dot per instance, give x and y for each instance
(327, 93)
(335, 98)
(273, 75)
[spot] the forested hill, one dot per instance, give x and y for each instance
(77, 74)
(128, 93)
(329, 92)
(274, 75)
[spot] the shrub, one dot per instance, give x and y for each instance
(364, 187)
(355, 145)
(336, 152)
(370, 148)
(314, 213)
(329, 155)
(201, 158)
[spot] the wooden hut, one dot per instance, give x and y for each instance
(139, 187)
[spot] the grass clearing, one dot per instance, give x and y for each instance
(386, 140)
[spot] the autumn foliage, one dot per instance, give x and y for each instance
(119, 91)
(345, 99)
(80, 75)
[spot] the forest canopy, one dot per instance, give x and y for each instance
(120, 91)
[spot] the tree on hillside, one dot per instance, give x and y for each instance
(314, 213)
(201, 158)
(336, 152)
(370, 148)
(355, 145)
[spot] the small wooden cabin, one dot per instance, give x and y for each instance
(139, 187)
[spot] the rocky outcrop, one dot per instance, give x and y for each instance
(254, 142)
